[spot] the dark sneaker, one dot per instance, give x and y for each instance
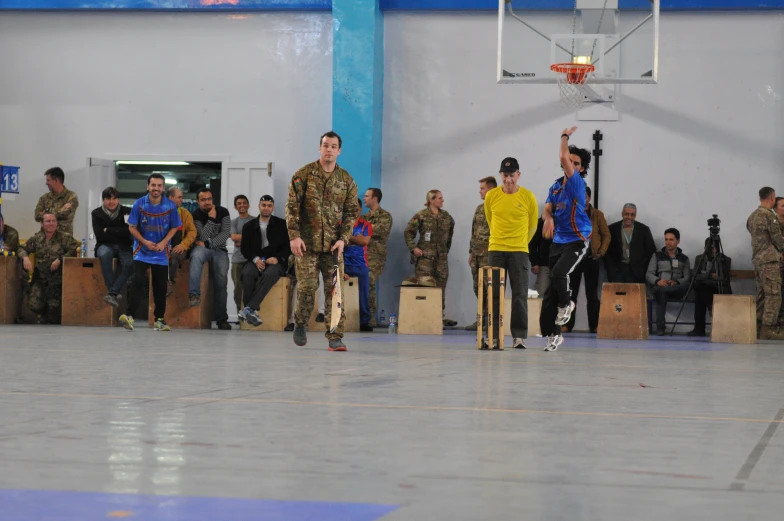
(564, 314)
(224, 326)
(111, 300)
(252, 317)
(126, 322)
(336, 344)
(661, 331)
(366, 328)
(320, 317)
(290, 327)
(518, 343)
(449, 323)
(695, 332)
(161, 325)
(300, 336)
(194, 300)
(471, 327)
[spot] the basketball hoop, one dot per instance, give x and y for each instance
(572, 78)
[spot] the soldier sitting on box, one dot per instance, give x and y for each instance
(50, 245)
(668, 275)
(110, 226)
(265, 241)
(9, 238)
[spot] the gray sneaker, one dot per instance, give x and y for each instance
(564, 314)
(111, 300)
(194, 300)
(300, 335)
(336, 344)
(252, 317)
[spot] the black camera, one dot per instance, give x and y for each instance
(713, 224)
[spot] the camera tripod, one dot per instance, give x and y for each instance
(715, 248)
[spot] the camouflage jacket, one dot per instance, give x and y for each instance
(11, 239)
(435, 232)
(52, 202)
(381, 220)
(317, 205)
(60, 245)
(766, 239)
(480, 232)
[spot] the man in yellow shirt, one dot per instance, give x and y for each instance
(512, 215)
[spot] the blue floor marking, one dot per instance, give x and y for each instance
(40, 505)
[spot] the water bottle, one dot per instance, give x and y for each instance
(83, 252)
(392, 324)
(383, 318)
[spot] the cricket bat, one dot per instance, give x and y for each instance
(337, 294)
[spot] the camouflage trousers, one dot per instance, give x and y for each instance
(435, 266)
(769, 287)
(46, 294)
(308, 267)
(376, 269)
(479, 260)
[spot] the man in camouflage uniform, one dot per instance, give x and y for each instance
(480, 237)
(60, 201)
(429, 254)
(381, 220)
(767, 244)
(50, 245)
(10, 238)
(320, 213)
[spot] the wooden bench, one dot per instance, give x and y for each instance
(736, 319)
(534, 310)
(623, 314)
(10, 289)
(420, 311)
(275, 308)
(83, 292)
(179, 315)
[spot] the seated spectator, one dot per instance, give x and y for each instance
(241, 204)
(265, 241)
(355, 264)
(706, 284)
(9, 239)
(182, 242)
(110, 226)
(668, 275)
(539, 256)
(213, 227)
(631, 247)
(50, 245)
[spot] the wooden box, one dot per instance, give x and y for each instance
(534, 310)
(734, 319)
(10, 289)
(624, 313)
(420, 311)
(179, 315)
(275, 308)
(83, 292)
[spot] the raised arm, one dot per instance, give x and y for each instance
(566, 157)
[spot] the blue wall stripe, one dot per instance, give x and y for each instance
(388, 5)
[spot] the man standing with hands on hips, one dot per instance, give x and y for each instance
(567, 223)
(320, 213)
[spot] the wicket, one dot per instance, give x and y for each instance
(495, 320)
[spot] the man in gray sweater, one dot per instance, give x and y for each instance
(668, 275)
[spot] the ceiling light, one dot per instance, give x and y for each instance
(170, 181)
(167, 163)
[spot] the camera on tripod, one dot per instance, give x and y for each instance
(714, 224)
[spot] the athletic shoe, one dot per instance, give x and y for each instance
(564, 314)
(300, 336)
(696, 332)
(518, 343)
(194, 300)
(127, 322)
(320, 317)
(366, 328)
(224, 326)
(553, 341)
(111, 300)
(251, 316)
(484, 343)
(449, 323)
(161, 325)
(336, 344)
(289, 328)
(471, 327)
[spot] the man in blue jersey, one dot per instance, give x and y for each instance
(153, 221)
(355, 263)
(566, 221)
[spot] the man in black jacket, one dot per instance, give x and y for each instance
(110, 226)
(708, 283)
(265, 243)
(668, 275)
(631, 248)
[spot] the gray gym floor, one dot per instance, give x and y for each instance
(169, 425)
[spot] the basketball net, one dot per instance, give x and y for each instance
(571, 82)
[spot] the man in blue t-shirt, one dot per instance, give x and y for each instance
(355, 263)
(153, 221)
(567, 223)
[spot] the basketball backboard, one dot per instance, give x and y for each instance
(620, 38)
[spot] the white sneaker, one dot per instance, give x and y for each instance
(564, 314)
(553, 341)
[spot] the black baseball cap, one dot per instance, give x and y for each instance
(509, 165)
(267, 198)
